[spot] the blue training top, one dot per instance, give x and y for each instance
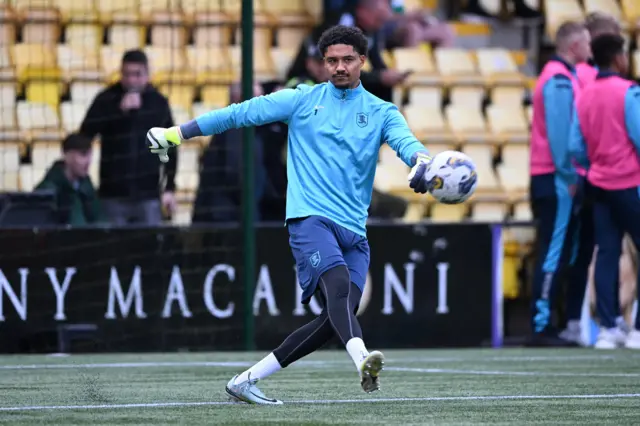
(334, 138)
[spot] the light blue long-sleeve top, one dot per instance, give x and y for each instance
(334, 138)
(559, 106)
(577, 145)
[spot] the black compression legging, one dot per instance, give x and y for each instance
(340, 299)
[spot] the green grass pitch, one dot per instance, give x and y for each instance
(511, 386)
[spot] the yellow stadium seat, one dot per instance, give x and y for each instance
(7, 26)
(118, 10)
(427, 123)
(84, 92)
(529, 114)
(181, 114)
(89, 35)
(38, 121)
(497, 66)
(72, 114)
(482, 156)
(77, 11)
(233, 8)
(8, 121)
(489, 211)
(282, 58)
(165, 60)
(211, 64)
(514, 169)
(448, 213)
(507, 96)
(41, 26)
(508, 124)
(217, 96)
(48, 92)
(79, 62)
(559, 11)
(467, 124)
(419, 62)
(168, 29)
(631, 10)
(636, 63)
(610, 7)
(291, 36)
(391, 173)
(263, 67)
(456, 66)
(43, 154)
(200, 108)
(522, 211)
(192, 8)
(94, 168)
(150, 7)
(126, 35)
(179, 94)
(27, 178)
(212, 29)
(182, 215)
(9, 166)
(33, 56)
(187, 168)
(467, 96)
(111, 60)
(262, 33)
(426, 96)
(8, 93)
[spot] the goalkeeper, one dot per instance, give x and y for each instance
(335, 132)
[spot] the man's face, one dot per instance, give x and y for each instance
(343, 64)
(134, 76)
(581, 46)
(317, 70)
(77, 163)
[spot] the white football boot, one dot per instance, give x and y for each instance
(370, 370)
(610, 338)
(573, 333)
(633, 340)
(248, 392)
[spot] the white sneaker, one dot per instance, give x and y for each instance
(633, 340)
(248, 392)
(573, 333)
(370, 370)
(610, 338)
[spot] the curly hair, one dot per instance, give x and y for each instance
(340, 34)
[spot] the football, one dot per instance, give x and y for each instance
(452, 177)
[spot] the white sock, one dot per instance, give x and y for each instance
(357, 350)
(263, 369)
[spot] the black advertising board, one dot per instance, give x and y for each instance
(167, 289)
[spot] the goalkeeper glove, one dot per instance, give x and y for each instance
(418, 179)
(159, 140)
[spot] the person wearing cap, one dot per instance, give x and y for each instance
(314, 67)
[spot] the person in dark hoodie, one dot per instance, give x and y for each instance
(77, 203)
(134, 186)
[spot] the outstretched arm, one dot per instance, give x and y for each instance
(396, 132)
(261, 110)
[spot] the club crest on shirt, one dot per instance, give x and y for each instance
(314, 259)
(362, 119)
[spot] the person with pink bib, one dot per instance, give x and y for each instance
(553, 176)
(597, 24)
(605, 139)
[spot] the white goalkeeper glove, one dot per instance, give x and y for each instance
(419, 180)
(159, 140)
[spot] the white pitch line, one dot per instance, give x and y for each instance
(322, 401)
(507, 373)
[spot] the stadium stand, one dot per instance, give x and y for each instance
(56, 55)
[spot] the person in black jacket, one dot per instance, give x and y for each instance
(130, 178)
(370, 16)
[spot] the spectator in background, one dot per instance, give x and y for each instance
(219, 195)
(130, 178)
(314, 69)
(409, 29)
(76, 200)
(370, 16)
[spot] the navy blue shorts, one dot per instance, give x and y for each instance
(319, 244)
